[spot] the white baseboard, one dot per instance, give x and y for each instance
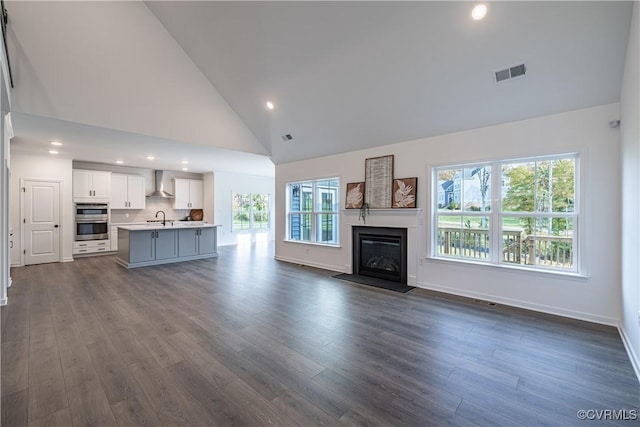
(589, 317)
(17, 264)
(311, 264)
(635, 361)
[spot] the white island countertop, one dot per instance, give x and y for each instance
(169, 226)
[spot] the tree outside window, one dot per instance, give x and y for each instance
(540, 199)
(250, 211)
(260, 205)
(464, 195)
(530, 223)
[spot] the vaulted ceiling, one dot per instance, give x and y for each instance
(342, 75)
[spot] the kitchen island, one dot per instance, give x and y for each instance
(153, 244)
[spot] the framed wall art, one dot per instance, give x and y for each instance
(405, 192)
(378, 177)
(355, 195)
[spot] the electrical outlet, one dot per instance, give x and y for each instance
(126, 215)
(307, 251)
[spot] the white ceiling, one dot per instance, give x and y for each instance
(108, 81)
(343, 75)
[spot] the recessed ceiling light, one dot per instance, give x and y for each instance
(53, 152)
(185, 162)
(270, 105)
(150, 158)
(479, 11)
(185, 169)
(119, 162)
(56, 143)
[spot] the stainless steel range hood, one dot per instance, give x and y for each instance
(159, 191)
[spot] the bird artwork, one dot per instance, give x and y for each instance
(355, 195)
(404, 193)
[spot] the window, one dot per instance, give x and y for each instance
(250, 211)
(464, 196)
(312, 211)
(511, 212)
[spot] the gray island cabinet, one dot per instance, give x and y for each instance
(144, 245)
(199, 241)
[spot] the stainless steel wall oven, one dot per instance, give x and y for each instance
(92, 221)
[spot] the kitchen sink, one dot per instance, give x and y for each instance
(174, 224)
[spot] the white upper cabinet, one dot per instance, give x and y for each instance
(118, 191)
(196, 194)
(136, 192)
(181, 194)
(127, 192)
(91, 186)
(187, 193)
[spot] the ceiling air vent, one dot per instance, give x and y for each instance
(502, 75)
(287, 137)
(510, 73)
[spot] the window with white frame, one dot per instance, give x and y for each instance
(512, 212)
(250, 211)
(312, 211)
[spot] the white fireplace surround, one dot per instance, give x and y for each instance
(411, 219)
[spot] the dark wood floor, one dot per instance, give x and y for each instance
(246, 340)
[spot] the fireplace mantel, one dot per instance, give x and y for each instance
(410, 218)
(399, 211)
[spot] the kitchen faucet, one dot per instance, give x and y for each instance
(164, 218)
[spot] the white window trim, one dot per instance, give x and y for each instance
(314, 213)
(496, 214)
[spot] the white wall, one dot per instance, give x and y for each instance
(630, 162)
(225, 185)
(595, 298)
(6, 133)
(36, 167)
(208, 198)
(116, 66)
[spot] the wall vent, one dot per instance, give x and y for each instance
(510, 73)
(287, 137)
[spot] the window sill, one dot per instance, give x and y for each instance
(511, 268)
(302, 242)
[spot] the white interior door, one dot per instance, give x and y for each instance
(41, 222)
